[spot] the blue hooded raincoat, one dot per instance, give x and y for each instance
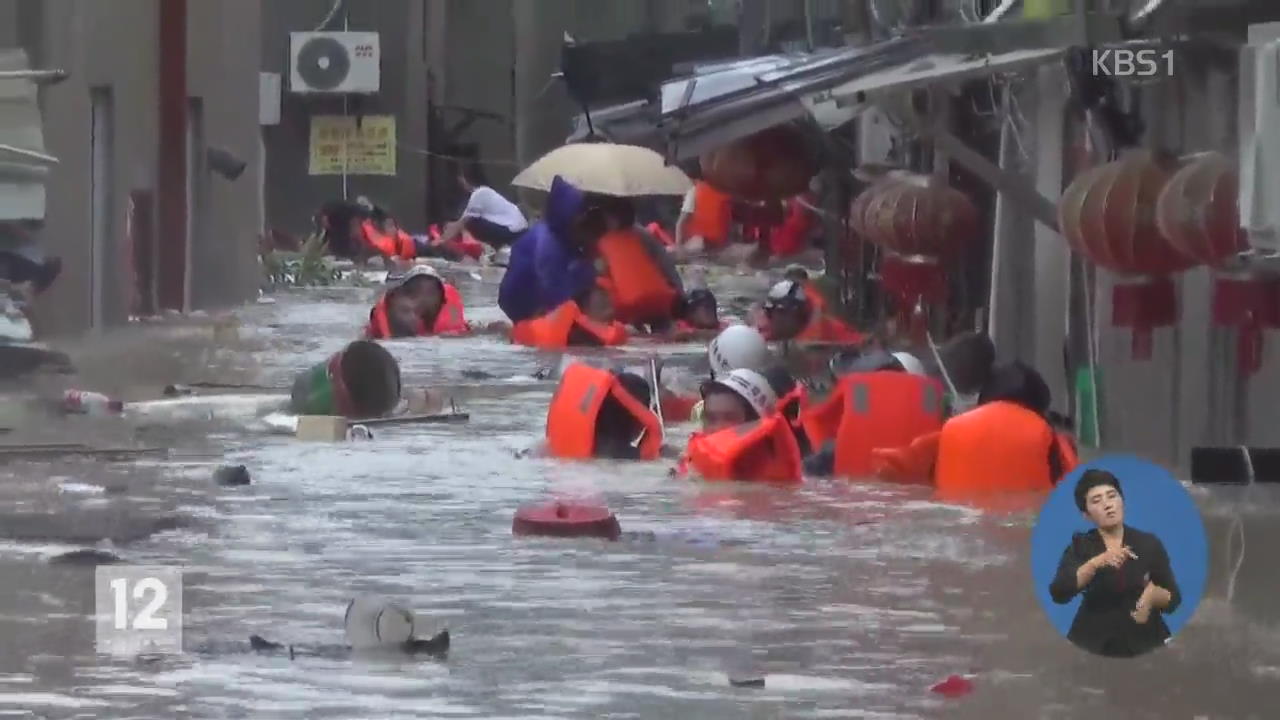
(545, 270)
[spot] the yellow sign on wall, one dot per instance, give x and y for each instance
(338, 146)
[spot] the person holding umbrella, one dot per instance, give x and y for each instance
(551, 263)
(556, 259)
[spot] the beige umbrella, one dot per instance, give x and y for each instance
(607, 169)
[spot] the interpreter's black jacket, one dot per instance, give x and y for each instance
(1103, 624)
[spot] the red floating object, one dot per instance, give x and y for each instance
(564, 518)
(953, 687)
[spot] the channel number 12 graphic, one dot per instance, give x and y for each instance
(139, 610)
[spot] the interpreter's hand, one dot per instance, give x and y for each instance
(1142, 611)
(1113, 558)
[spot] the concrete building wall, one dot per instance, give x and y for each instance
(110, 51)
(293, 195)
(222, 64)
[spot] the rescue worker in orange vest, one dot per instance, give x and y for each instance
(418, 304)
(789, 314)
(743, 437)
(885, 400)
(383, 237)
(797, 273)
(1007, 444)
(706, 218)
(642, 275)
(596, 413)
(587, 320)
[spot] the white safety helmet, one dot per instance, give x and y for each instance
(738, 346)
(752, 387)
(417, 271)
(910, 363)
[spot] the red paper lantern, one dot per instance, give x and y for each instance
(1198, 213)
(920, 224)
(772, 164)
(1108, 215)
(915, 215)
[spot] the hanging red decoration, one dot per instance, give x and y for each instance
(772, 164)
(1198, 213)
(913, 282)
(1108, 215)
(920, 224)
(1251, 305)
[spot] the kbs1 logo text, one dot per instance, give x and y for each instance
(1129, 63)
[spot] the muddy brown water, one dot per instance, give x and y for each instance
(850, 599)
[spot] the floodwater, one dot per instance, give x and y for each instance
(851, 600)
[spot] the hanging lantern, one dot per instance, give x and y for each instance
(917, 215)
(1198, 213)
(1108, 215)
(920, 224)
(772, 164)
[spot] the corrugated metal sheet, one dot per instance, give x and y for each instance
(22, 191)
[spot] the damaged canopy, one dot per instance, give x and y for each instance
(722, 103)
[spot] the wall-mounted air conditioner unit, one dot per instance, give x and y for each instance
(335, 62)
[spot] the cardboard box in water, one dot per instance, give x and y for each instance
(322, 428)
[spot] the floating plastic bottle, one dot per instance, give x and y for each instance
(90, 403)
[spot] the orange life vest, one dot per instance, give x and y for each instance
(817, 298)
(999, 447)
(879, 410)
(640, 290)
(571, 418)
(761, 451)
(712, 215)
(451, 320)
(398, 245)
(551, 331)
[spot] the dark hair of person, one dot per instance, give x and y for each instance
(636, 386)
(690, 301)
(1018, 383)
(969, 359)
(1092, 479)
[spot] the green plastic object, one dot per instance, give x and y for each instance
(1045, 9)
(1087, 413)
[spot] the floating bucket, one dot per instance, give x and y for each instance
(372, 622)
(562, 518)
(360, 381)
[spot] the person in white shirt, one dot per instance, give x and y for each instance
(489, 217)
